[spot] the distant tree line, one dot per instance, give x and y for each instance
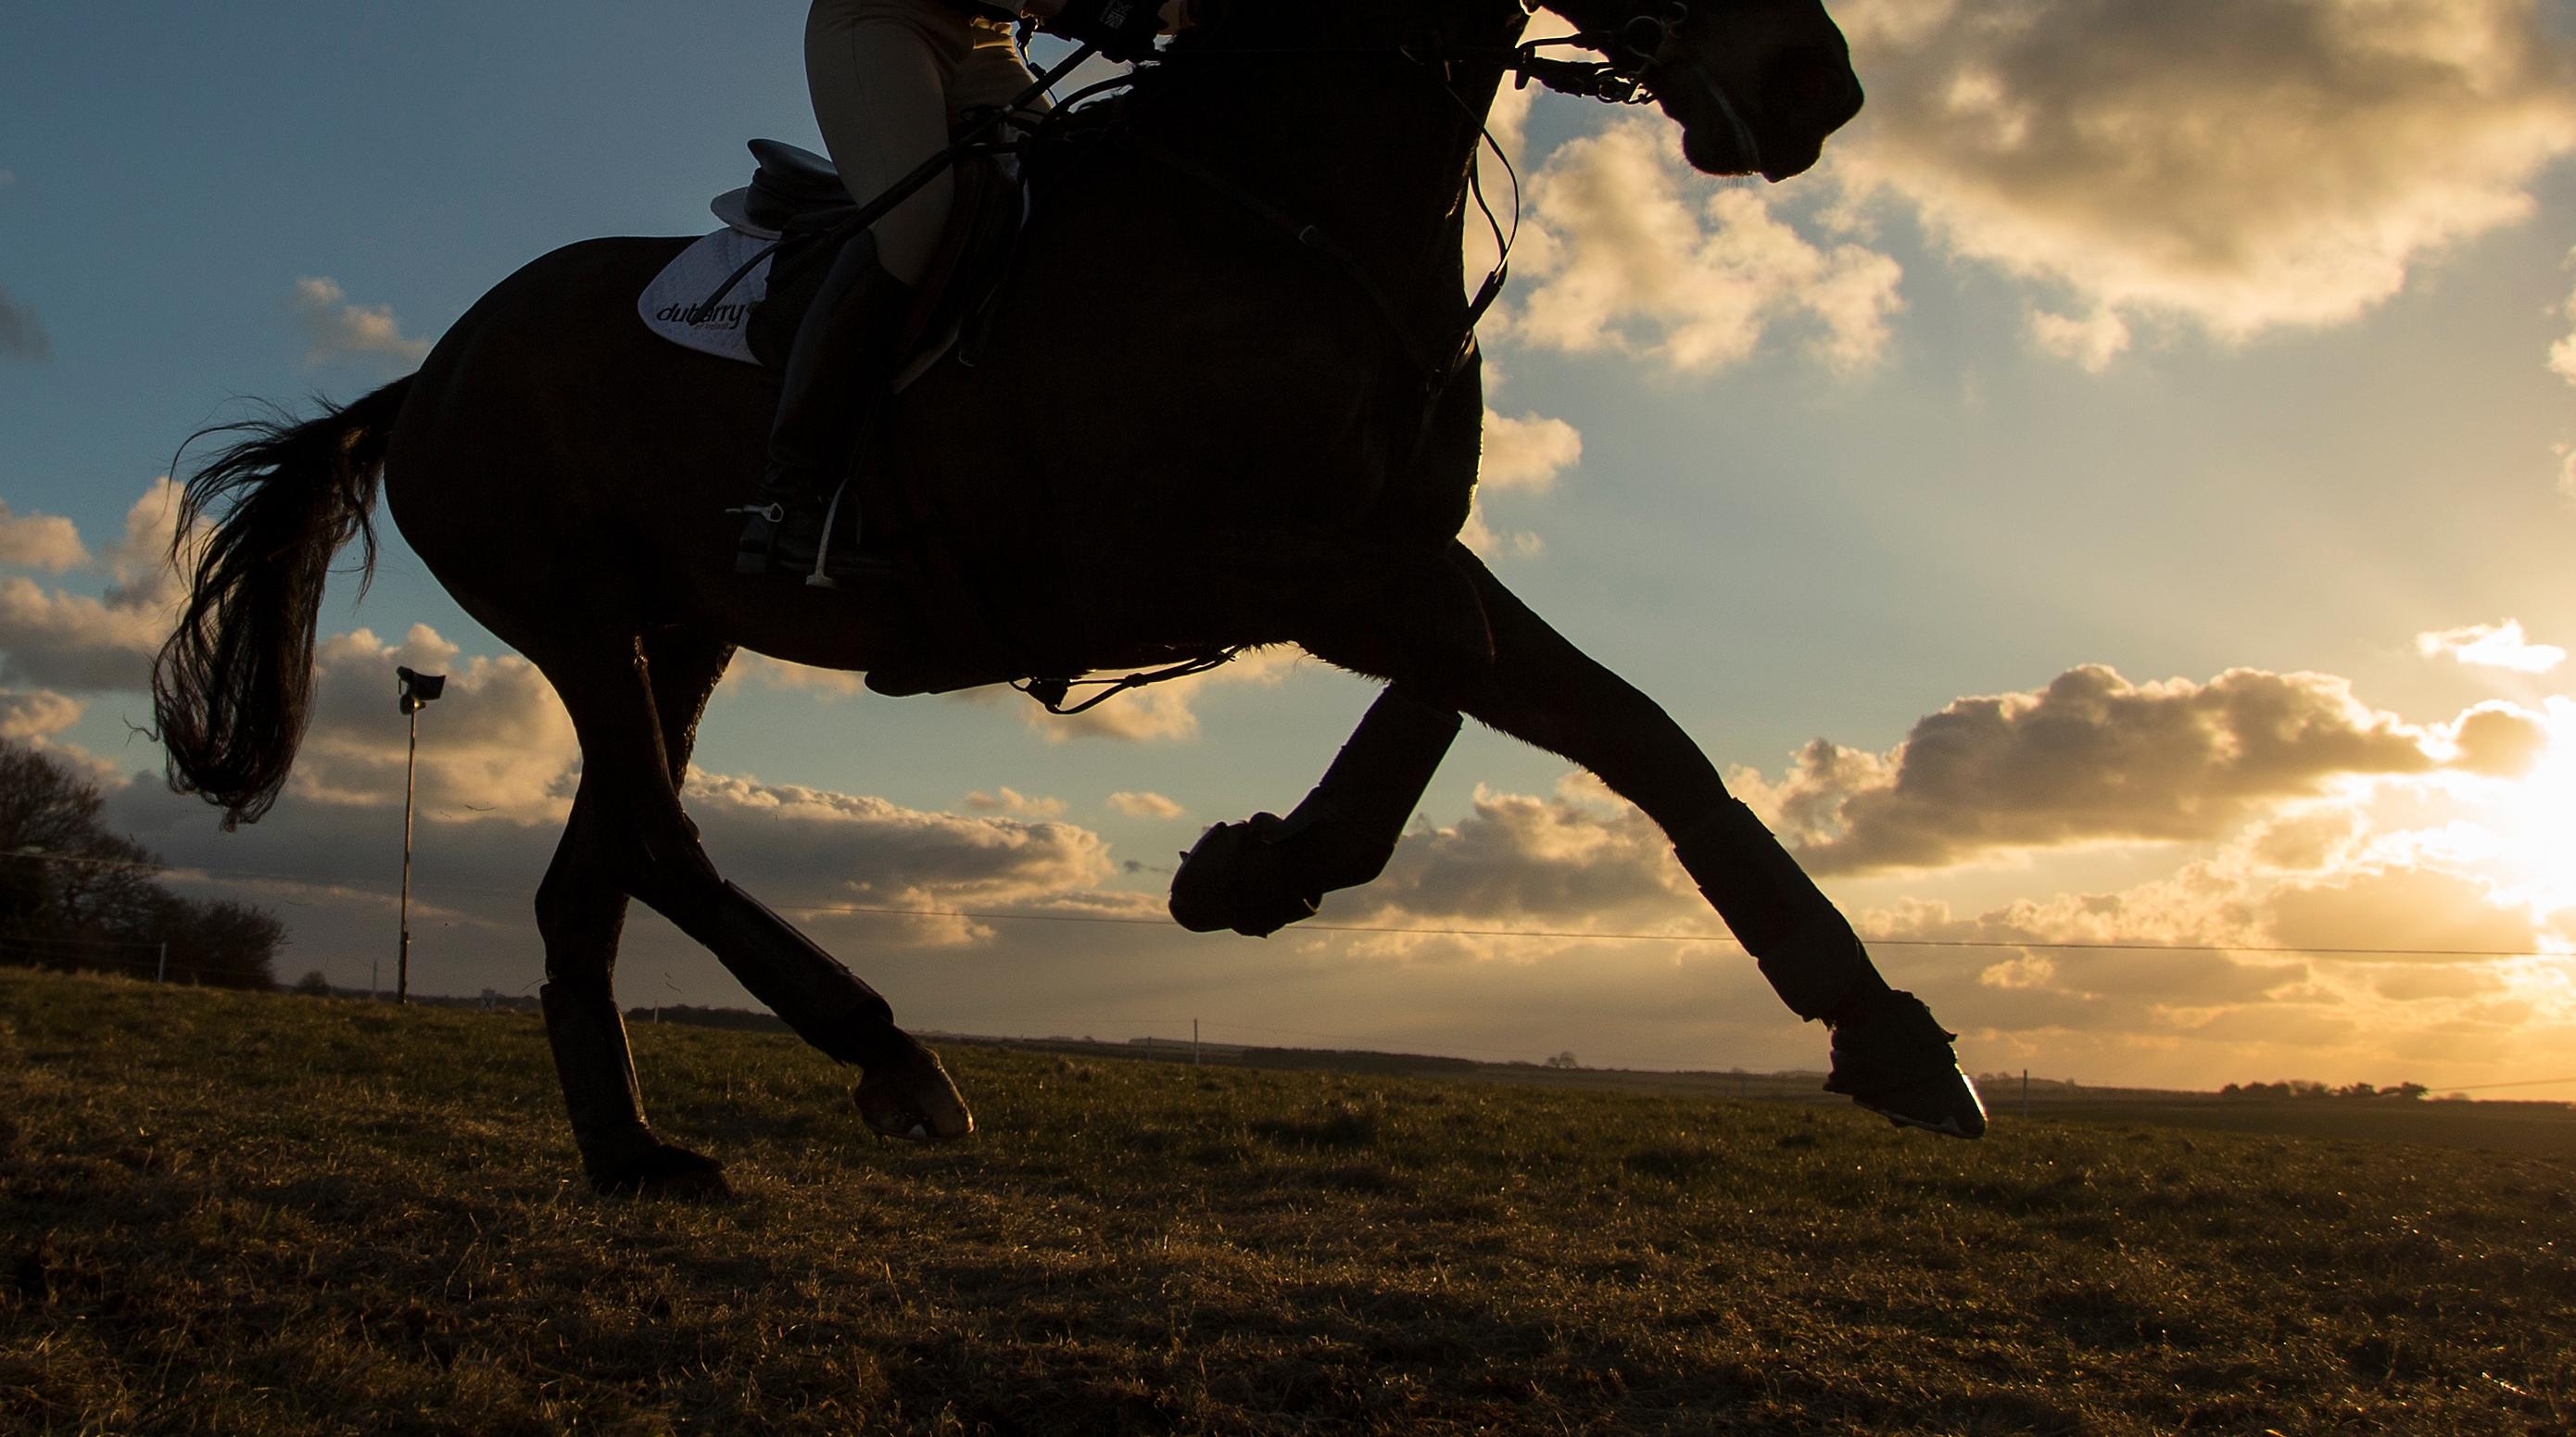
(2301, 1088)
(75, 895)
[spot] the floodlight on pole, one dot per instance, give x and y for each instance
(417, 690)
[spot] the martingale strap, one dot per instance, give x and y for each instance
(1437, 372)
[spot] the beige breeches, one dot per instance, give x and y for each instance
(889, 77)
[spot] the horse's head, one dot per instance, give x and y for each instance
(1757, 85)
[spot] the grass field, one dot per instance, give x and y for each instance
(250, 1214)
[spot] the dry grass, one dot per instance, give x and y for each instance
(248, 1215)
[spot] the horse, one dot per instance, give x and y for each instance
(1275, 423)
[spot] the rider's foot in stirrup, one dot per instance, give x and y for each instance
(780, 537)
(776, 538)
(1892, 1058)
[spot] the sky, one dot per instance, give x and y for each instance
(2119, 498)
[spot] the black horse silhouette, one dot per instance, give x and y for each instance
(1273, 434)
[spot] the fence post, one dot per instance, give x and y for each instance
(162, 975)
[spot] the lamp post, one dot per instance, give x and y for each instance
(417, 690)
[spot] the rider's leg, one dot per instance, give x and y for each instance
(879, 74)
(838, 370)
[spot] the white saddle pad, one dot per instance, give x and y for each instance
(675, 305)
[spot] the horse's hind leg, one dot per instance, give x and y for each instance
(651, 849)
(581, 912)
(1888, 1053)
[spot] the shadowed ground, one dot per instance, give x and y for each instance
(252, 1214)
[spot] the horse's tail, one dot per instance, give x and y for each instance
(231, 689)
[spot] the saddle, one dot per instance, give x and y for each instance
(741, 292)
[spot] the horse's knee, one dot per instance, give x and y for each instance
(580, 925)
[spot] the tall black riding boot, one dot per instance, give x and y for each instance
(838, 371)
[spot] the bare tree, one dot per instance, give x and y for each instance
(74, 894)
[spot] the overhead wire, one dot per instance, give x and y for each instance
(1383, 930)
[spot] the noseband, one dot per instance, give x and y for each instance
(1641, 43)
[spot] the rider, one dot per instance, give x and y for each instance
(889, 79)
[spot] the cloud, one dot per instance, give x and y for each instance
(1144, 805)
(30, 716)
(2446, 914)
(40, 541)
(1526, 454)
(2091, 342)
(869, 869)
(2494, 646)
(70, 641)
(2303, 971)
(497, 766)
(140, 558)
(497, 742)
(814, 842)
(2562, 355)
(2564, 351)
(61, 640)
(2239, 165)
(2304, 842)
(1489, 543)
(2209, 902)
(338, 330)
(798, 678)
(2091, 757)
(1623, 261)
(1016, 803)
(22, 335)
(1578, 861)
(2498, 740)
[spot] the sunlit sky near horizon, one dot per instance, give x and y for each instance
(2121, 497)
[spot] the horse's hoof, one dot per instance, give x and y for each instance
(1236, 877)
(913, 1100)
(660, 1170)
(1892, 1058)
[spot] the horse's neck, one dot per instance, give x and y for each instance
(1376, 160)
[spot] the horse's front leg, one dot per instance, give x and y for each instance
(1889, 1054)
(1267, 872)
